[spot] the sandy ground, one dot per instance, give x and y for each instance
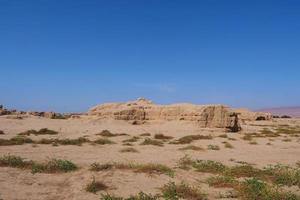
(22, 184)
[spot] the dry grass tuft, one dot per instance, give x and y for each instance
(43, 131)
(191, 147)
(95, 186)
(129, 150)
(183, 191)
(149, 141)
(162, 137)
(190, 138)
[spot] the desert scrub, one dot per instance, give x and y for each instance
(247, 137)
(133, 139)
(2, 132)
(255, 189)
(95, 186)
(140, 196)
(185, 163)
(13, 161)
(209, 166)
(103, 141)
(228, 145)
(145, 134)
(213, 147)
(162, 137)
(190, 138)
(107, 133)
(43, 131)
(52, 166)
(137, 168)
(18, 140)
(149, 141)
(222, 182)
(283, 175)
(223, 136)
(253, 143)
(77, 141)
(129, 150)
(171, 191)
(191, 147)
(244, 170)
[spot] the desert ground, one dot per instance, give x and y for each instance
(114, 159)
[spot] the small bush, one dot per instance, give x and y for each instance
(101, 167)
(43, 131)
(133, 139)
(223, 136)
(149, 141)
(145, 134)
(191, 147)
(52, 166)
(172, 191)
(13, 161)
(129, 150)
(18, 140)
(228, 145)
(209, 166)
(162, 137)
(107, 133)
(140, 196)
(190, 138)
(185, 163)
(103, 141)
(2, 132)
(138, 168)
(222, 182)
(213, 147)
(95, 186)
(255, 189)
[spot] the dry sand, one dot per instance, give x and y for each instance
(22, 184)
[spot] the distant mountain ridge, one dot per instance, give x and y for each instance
(293, 111)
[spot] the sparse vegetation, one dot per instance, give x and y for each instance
(43, 131)
(138, 168)
(228, 145)
(209, 166)
(255, 189)
(103, 141)
(107, 133)
(18, 140)
(191, 147)
(185, 163)
(133, 139)
(129, 150)
(2, 132)
(162, 137)
(171, 191)
(52, 166)
(145, 134)
(140, 196)
(213, 147)
(222, 182)
(253, 142)
(95, 186)
(149, 141)
(190, 138)
(223, 136)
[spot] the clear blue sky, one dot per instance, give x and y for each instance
(68, 55)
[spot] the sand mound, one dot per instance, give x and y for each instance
(215, 116)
